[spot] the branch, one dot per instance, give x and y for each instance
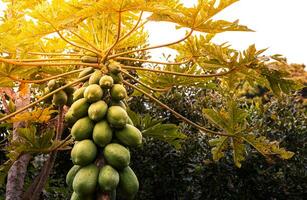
(152, 47)
(43, 98)
(143, 84)
(117, 38)
(55, 54)
(46, 59)
(178, 73)
(152, 61)
(133, 29)
(174, 112)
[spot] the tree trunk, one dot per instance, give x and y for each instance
(17, 173)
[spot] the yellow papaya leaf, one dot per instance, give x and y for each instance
(39, 115)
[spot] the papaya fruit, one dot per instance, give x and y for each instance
(82, 129)
(97, 110)
(84, 152)
(53, 85)
(95, 77)
(117, 116)
(89, 59)
(129, 135)
(108, 178)
(70, 100)
(119, 103)
(128, 183)
(102, 133)
(117, 155)
(69, 90)
(85, 84)
(59, 98)
(78, 94)
(70, 118)
(79, 108)
(71, 174)
(86, 72)
(93, 93)
(118, 92)
(117, 78)
(114, 68)
(85, 181)
(75, 196)
(106, 82)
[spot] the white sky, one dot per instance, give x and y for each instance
(280, 25)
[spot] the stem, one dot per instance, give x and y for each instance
(152, 61)
(143, 84)
(133, 29)
(178, 73)
(54, 54)
(152, 47)
(43, 98)
(41, 80)
(87, 42)
(117, 38)
(174, 112)
(47, 59)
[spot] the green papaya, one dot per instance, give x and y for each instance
(114, 68)
(86, 72)
(108, 178)
(69, 90)
(118, 92)
(52, 85)
(102, 133)
(85, 84)
(78, 94)
(129, 135)
(95, 77)
(93, 93)
(128, 183)
(85, 181)
(79, 108)
(75, 196)
(119, 103)
(84, 152)
(117, 116)
(59, 98)
(89, 59)
(106, 82)
(70, 100)
(97, 110)
(70, 118)
(82, 129)
(117, 78)
(117, 155)
(71, 175)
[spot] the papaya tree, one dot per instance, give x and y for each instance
(74, 64)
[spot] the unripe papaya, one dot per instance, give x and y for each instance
(93, 93)
(108, 178)
(95, 77)
(114, 68)
(117, 116)
(118, 92)
(119, 103)
(89, 59)
(97, 110)
(106, 82)
(78, 94)
(102, 133)
(85, 84)
(52, 85)
(79, 108)
(70, 100)
(82, 129)
(117, 155)
(75, 196)
(117, 78)
(70, 118)
(129, 135)
(59, 98)
(89, 53)
(69, 90)
(84, 152)
(71, 175)
(85, 72)
(128, 184)
(85, 180)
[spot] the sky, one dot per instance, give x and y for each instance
(280, 25)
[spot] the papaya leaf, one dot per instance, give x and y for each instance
(39, 115)
(216, 118)
(220, 145)
(239, 151)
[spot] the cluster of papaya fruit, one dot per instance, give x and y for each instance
(101, 127)
(62, 97)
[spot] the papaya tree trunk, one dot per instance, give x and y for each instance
(36, 188)
(17, 172)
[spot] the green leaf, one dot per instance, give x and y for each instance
(220, 145)
(239, 151)
(216, 118)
